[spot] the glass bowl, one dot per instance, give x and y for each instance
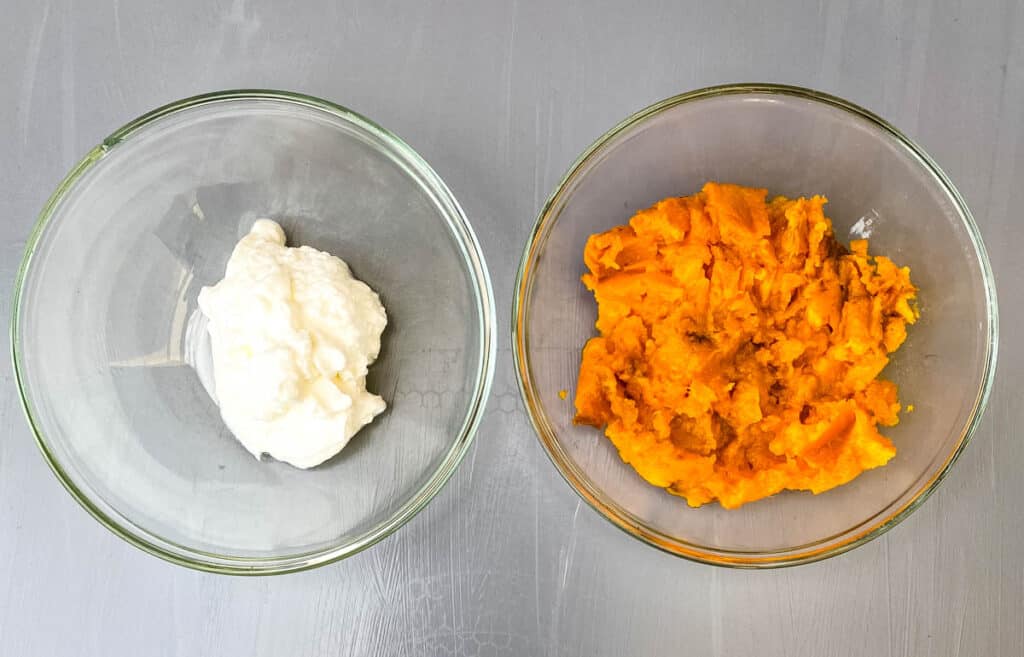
(105, 333)
(794, 142)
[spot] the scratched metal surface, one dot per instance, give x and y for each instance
(500, 97)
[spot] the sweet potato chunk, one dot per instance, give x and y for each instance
(740, 346)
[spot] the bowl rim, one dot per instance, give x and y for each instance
(473, 260)
(626, 521)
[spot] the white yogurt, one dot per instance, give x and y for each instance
(292, 335)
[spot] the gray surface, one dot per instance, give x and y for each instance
(500, 97)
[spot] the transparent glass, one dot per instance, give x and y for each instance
(794, 142)
(105, 333)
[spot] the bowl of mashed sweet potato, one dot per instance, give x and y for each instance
(754, 325)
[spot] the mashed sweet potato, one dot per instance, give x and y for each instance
(740, 346)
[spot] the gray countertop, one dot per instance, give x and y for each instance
(500, 96)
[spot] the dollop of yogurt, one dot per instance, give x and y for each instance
(292, 335)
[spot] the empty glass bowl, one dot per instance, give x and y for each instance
(106, 330)
(793, 142)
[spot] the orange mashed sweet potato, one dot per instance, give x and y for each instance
(740, 346)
